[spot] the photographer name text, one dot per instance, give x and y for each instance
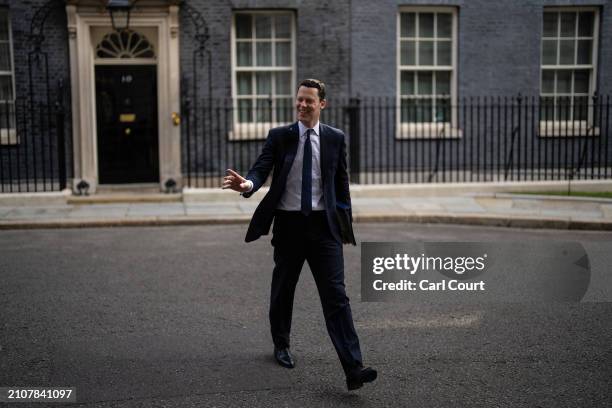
(414, 264)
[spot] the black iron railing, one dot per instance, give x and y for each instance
(413, 141)
(32, 147)
(480, 139)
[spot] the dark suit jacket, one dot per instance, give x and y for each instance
(278, 153)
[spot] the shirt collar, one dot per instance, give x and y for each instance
(303, 128)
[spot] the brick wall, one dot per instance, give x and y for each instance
(350, 44)
(37, 78)
(498, 45)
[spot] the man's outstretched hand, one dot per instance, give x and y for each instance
(235, 181)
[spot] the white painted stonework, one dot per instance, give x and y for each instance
(88, 22)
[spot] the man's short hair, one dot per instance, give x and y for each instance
(314, 83)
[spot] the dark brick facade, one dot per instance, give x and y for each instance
(54, 47)
(42, 77)
(350, 44)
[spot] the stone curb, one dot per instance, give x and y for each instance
(493, 220)
(552, 198)
(122, 222)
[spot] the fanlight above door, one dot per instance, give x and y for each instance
(125, 44)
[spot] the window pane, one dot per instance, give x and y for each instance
(584, 51)
(245, 113)
(7, 116)
(548, 81)
(6, 88)
(408, 113)
(114, 40)
(585, 24)
(581, 107)
(444, 53)
(445, 25)
(244, 57)
(564, 106)
(407, 53)
(283, 54)
(564, 81)
(264, 40)
(263, 26)
(5, 57)
(283, 26)
(424, 111)
(284, 110)
(407, 83)
(550, 24)
(243, 26)
(442, 110)
(581, 81)
(426, 52)
(283, 83)
(4, 25)
(424, 83)
(264, 54)
(407, 24)
(547, 109)
(426, 23)
(245, 86)
(549, 52)
(566, 56)
(443, 83)
(263, 110)
(568, 24)
(264, 83)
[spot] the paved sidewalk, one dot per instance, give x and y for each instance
(223, 207)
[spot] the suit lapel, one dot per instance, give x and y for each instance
(292, 141)
(291, 146)
(325, 145)
(289, 143)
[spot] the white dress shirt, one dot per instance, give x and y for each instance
(291, 200)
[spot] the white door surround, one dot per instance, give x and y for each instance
(161, 25)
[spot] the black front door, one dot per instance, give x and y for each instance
(126, 109)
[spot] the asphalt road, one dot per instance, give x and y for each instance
(177, 317)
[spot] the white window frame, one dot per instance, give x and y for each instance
(8, 136)
(429, 130)
(549, 128)
(258, 130)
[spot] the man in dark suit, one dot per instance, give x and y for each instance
(309, 185)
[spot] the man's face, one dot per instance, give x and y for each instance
(308, 104)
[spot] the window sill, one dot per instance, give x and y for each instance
(252, 131)
(8, 137)
(567, 129)
(427, 131)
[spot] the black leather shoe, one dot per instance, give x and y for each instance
(283, 357)
(364, 375)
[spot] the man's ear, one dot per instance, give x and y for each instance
(323, 103)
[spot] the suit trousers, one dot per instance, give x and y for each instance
(298, 238)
